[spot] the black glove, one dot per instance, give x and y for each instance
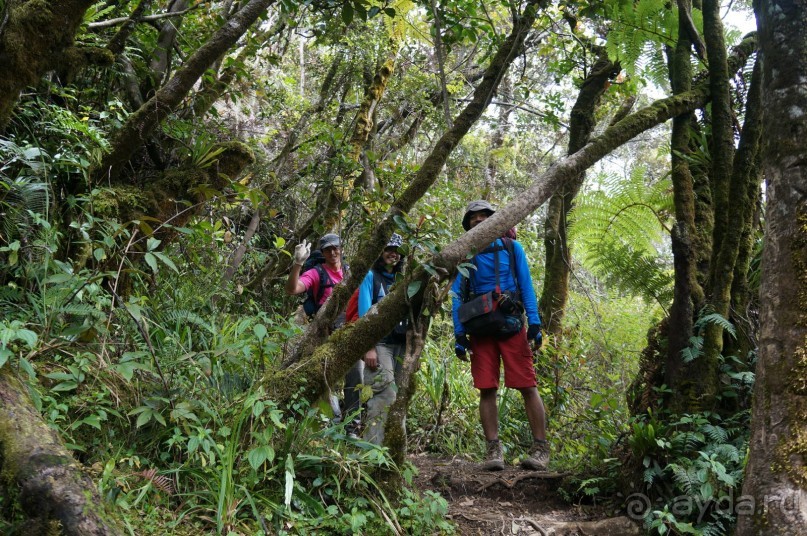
(534, 334)
(461, 345)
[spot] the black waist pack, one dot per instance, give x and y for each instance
(492, 314)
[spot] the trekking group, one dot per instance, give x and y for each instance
(488, 311)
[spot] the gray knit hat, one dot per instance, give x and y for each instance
(476, 206)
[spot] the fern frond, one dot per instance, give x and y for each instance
(181, 317)
(620, 230)
(686, 478)
(720, 320)
(162, 483)
(727, 451)
(80, 309)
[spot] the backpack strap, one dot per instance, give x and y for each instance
(325, 281)
(495, 249)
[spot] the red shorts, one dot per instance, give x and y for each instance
(516, 354)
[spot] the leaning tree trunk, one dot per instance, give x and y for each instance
(776, 474)
(34, 35)
(51, 488)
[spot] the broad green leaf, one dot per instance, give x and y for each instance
(166, 260)
(65, 386)
(260, 331)
(289, 480)
(151, 260)
(413, 288)
(144, 417)
(27, 367)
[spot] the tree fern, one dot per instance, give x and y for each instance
(619, 230)
(641, 29)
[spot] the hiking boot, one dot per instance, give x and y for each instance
(494, 459)
(539, 456)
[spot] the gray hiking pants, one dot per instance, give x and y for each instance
(382, 380)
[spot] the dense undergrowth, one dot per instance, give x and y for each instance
(157, 395)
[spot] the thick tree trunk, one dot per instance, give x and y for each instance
(395, 429)
(721, 172)
(776, 474)
(33, 38)
(558, 263)
(49, 482)
(686, 284)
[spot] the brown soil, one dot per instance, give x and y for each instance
(512, 502)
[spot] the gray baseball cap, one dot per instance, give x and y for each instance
(330, 240)
(475, 206)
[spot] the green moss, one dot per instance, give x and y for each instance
(120, 201)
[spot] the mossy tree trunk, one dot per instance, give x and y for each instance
(34, 36)
(555, 293)
(686, 285)
(50, 485)
(705, 266)
(704, 369)
(776, 474)
(395, 429)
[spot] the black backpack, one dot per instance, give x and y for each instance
(314, 262)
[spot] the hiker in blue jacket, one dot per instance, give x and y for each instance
(382, 362)
(510, 345)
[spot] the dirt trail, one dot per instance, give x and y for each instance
(512, 502)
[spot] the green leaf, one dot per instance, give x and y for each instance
(27, 336)
(152, 243)
(144, 417)
(166, 260)
(27, 367)
(413, 288)
(347, 18)
(260, 331)
(151, 260)
(65, 386)
(258, 408)
(289, 480)
(92, 420)
(99, 254)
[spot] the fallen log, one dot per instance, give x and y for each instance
(42, 474)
